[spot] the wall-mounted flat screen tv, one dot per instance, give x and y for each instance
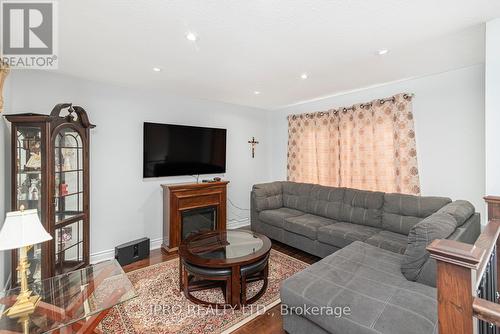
(171, 150)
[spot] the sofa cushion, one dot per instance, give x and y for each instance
(326, 201)
(460, 210)
(307, 225)
(362, 207)
(436, 226)
(367, 279)
(342, 234)
(402, 212)
(296, 195)
(268, 196)
(277, 217)
(391, 241)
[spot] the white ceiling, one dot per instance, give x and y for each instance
(265, 45)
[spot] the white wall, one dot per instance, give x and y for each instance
(4, 182)
(449, 121)
(124, 206)
(492, 107)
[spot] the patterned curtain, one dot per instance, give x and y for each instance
(368, 146)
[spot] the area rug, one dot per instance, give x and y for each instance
(161, 308)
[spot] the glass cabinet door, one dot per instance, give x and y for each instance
(69, 217)
(28, 185)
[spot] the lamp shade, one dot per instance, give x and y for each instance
(22, 228)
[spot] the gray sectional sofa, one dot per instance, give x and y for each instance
(373, 249)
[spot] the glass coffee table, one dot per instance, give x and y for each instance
(72, 302)
(226, 259)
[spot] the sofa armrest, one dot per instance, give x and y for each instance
(267, 196)
(467, 233)
(460, 210)
(416, 260)
(447, 223)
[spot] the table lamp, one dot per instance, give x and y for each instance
(22, 229)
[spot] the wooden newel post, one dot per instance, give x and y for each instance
(493, 203)
(457, 264)
(4, 72)
(461, 268)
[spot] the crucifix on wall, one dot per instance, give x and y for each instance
(254, 143)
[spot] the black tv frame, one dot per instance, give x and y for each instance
(200, 172)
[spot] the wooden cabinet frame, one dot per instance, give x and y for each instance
(63, 116)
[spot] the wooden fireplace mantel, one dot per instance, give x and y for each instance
(185, 196)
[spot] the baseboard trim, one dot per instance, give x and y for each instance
(156, 243)
(110, 253)
(238, 223)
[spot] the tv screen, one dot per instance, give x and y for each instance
(171, 150)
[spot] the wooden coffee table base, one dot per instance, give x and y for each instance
(233, 286)
(227, 259)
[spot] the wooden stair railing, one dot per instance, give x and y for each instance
(461, 270)
(486, 311)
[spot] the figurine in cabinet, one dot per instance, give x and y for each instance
(35, 158)
(63, 189)
(35, 162)
(20, 195)
(67, 157)
(23, 189)
(33, 190)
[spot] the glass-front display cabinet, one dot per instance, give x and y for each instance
(50, 173)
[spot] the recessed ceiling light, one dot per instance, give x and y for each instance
(256, 92)
(382, 52)
(191, 36)
(156, 69)
(304, 76)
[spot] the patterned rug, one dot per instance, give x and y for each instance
(161, 308)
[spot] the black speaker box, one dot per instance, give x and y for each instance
(132, 251)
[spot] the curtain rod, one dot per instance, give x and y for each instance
(406, 96)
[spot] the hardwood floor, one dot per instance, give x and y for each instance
(156, 256)
(269, 323)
